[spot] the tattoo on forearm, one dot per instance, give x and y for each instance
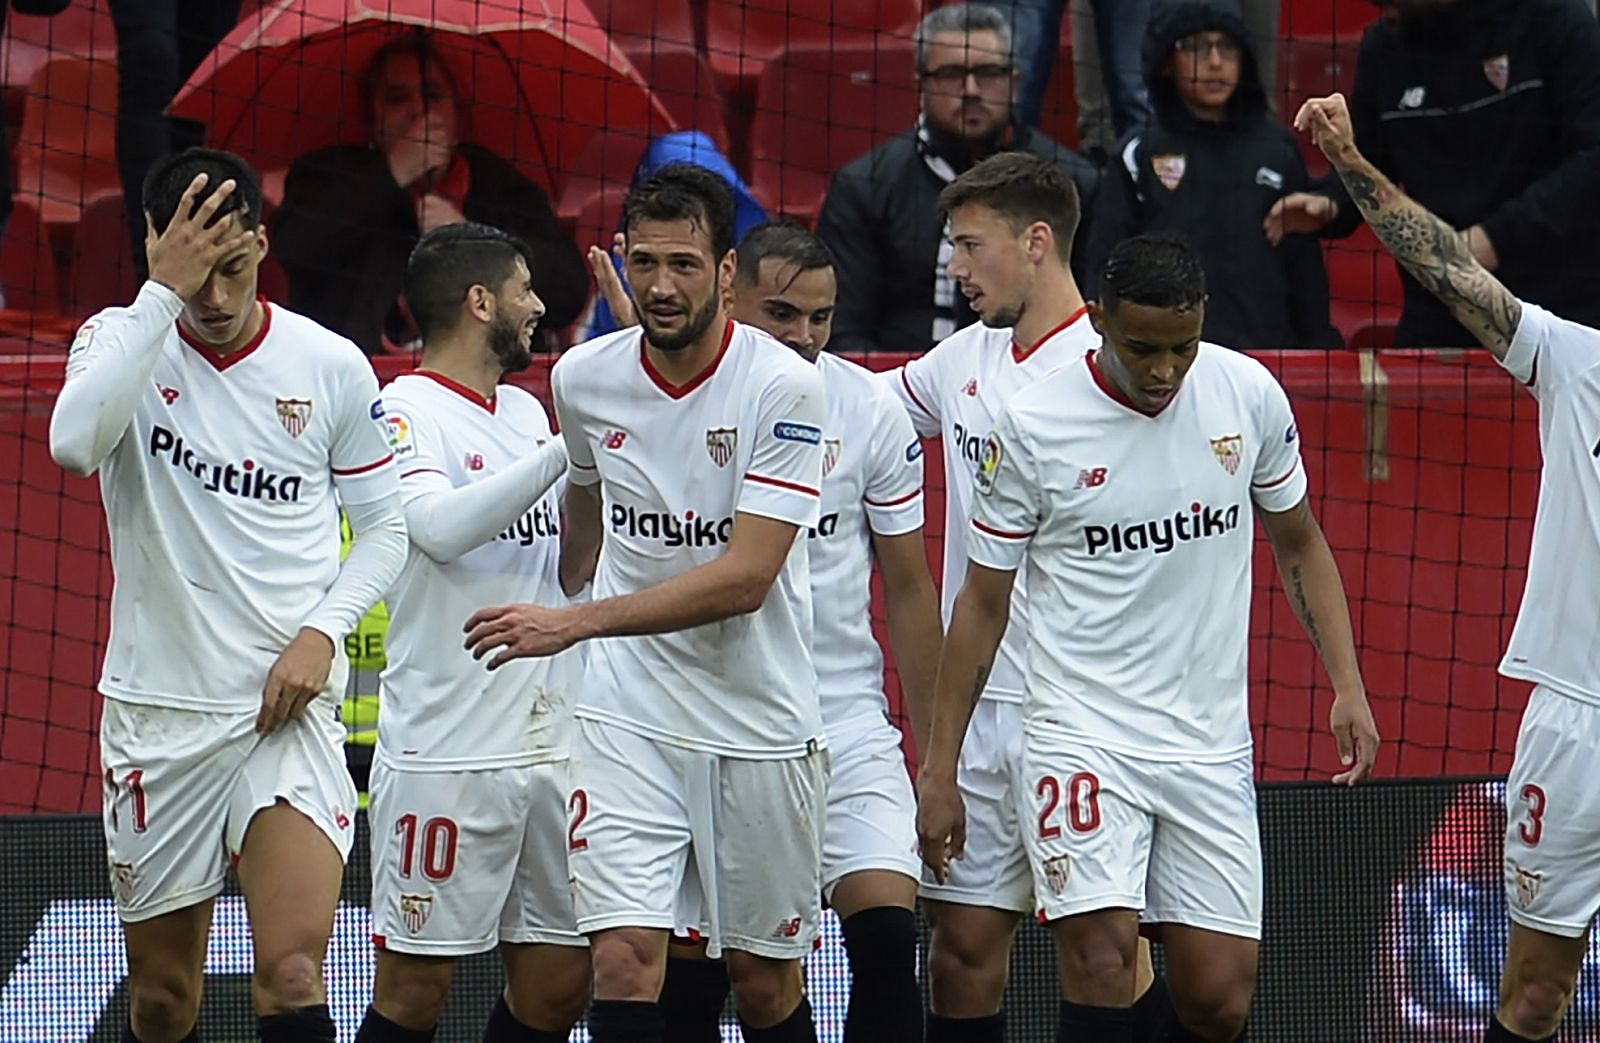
(979, 683)
(1302, 607)
(1436, 257)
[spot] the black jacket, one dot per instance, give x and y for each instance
(1488, 112)
(882, 223)
(346, 229)
(1214, 183)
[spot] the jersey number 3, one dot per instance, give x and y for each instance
(1530, 831)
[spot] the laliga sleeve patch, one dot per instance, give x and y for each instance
(789, 431)
(988, 464)
(400, 440)
(84, 337)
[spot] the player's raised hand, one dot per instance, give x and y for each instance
(182, 256)
(941, 823)
(1327, 120)
(1357, 735)
(609, 283)
(295, 679)
(520, 632)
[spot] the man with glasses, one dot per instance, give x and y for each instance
(880, 217)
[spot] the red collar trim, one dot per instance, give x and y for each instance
(680, 390)
(1022, 354)
(1115, 393)
(222, 362)
(470, 394)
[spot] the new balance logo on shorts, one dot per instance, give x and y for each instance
(246, 479)
(1160, 535)
(789, 928)
(688, 531)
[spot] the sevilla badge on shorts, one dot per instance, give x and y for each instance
(1169, 170)
(1057, 871)
(720, 443)
(832, 449)
(1229, 450)
(123, 877)
(1498, 70)
(1527, 886)
(414, 910)
(294, 414)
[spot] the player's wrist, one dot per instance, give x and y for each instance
(311, 632)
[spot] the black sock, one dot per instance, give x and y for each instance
(503, 1027)
(1080, 1023)
(990, 1029)
(1152, 1013)
(885, 1001)
(692, 1001)
(796, 1028)
(302, 1025)
(1178, 1033)
(375, 1028)
(1498, 1033)
(624, 1021)
(129, 1037)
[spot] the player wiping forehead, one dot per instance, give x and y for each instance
(1552, 844)
(469, 780)
(224, 429)
(1126, 483)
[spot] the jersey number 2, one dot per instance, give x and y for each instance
(439, 837)
(1083, 804)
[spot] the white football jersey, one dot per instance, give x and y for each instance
(1558, 626)
(221, 505)
(1137, 532)
(442, 709)
(955, 391)
(675, 464)
(871, 483)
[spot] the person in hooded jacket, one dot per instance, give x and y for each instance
(1209, 165)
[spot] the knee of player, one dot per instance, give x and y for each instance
(957, 958)
(627, 965)
(1535, 1006)
(1217, 1016)
(290, 980)
(765, 990)
(163, 1006)
(1099, 961)
(416, 996)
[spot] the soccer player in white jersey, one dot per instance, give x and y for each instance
(1012, 218)
(1126, 482)
(699, 762)
(469, 780)
(871, 510)
(1552, 845)
(222, 428)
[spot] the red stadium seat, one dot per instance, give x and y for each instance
(102, 272)
(817, 109)
(28, 264)
(743, 35)
(1363, 284)
(66, 153)
(1058, 117)
(1346, 19)
(83, 30)
(682, 79)
(606, 165)
(1310, 67)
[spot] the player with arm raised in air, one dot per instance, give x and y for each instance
(1012, 218)
(1552, 846)
(699, 763)
(871, 510)
(469, 782)
(227, 432)
(1126, 483)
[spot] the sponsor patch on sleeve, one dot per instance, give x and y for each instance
(400, 441)
(789, 431)
(377, 409)
(913, 451)
(988, 464)
(84, 337)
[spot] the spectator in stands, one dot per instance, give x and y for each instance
(352, 213)
(1210, 164)
(1115, 31)
(1488, 112)
(160, 43)
(880, 217)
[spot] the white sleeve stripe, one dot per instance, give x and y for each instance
(780, 483)
(897, 501)
(1001, 533)
(351, 472)
(1279, 480)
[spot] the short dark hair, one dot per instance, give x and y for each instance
(1158, 271)
(1022, 188)
(418, 43)
(449, 261)
(685, 192)
(165, 183)
(783, 240)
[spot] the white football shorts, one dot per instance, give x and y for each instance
(464, 860)
(181, 787)
(872, 811)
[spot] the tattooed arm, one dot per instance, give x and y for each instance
(977, 624)
(1435, 254)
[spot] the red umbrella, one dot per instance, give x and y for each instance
(538, 78)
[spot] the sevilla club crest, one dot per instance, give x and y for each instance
(414, 910)
(1527, 886)
(1057, 871)
(832, 449)
(294, 414)
(720, 444)
(1229, 450)
(1498, 70)
(123, 878)
(1169, 170)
